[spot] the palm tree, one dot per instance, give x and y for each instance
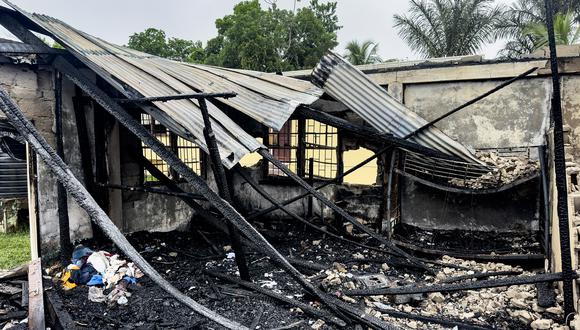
(439, 28)
(518, 19)
(365, 53)
(566, 32)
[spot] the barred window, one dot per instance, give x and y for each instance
(301, 140)
(186, 150)
(322, 146)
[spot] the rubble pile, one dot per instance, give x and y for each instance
(101, 272)
(478, 307)
(505, 170)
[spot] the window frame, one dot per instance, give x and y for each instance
(300, 158)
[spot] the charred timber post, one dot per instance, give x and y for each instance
(412, 289)
(390, 185)
(309, 211)
(63, 220)
(223, 189)
(560, 169)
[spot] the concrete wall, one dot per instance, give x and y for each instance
(515, 209)
(515, 116)
(32, 88)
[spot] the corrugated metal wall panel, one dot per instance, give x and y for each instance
(12, 176)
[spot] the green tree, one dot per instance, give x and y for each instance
(566, 32)
(151, 41)
(155, 42)
(273, 39)
(515, 25)
(362, 53)
(439, 28)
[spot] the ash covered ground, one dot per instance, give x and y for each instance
(182, 257)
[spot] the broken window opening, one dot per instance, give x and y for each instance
(300, 140)
(366, 175)
(187, 151)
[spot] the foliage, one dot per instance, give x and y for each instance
(254, 38)
(273, 39)
(438, 28)
(14, 249)
(362, 53)
(566, 32)
(518, 21)
(154, 41)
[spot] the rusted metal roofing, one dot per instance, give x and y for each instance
(349, 85)
(267, 98)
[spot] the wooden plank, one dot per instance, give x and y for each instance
(58, 316)
(35, 296)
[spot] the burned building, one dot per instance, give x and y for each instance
(459, 165)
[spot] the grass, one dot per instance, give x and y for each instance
(14, 249)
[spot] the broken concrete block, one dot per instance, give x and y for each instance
(541, 324)
(437, 297)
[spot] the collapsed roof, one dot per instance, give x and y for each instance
(269, 99)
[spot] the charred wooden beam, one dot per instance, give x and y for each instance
(185, 96)
(153, 191)
(411, 289)
(431, 319)
(317, 313)
(480, 275)
(219, 175)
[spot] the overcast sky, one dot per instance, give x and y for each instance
(116, 20)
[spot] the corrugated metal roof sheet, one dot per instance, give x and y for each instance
(347, 84)
(267, 98)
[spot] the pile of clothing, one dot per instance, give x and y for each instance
(102, 272)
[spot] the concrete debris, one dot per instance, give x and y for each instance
(541, 324)
(505, 171)
(318, 324)
(516, 303)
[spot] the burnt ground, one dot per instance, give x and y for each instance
(182, 257)
(462, 241)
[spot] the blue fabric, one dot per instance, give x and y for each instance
(83, 275)
(80, 252)
(130, 280)
(96, 280)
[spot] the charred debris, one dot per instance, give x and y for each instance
(322, 261)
